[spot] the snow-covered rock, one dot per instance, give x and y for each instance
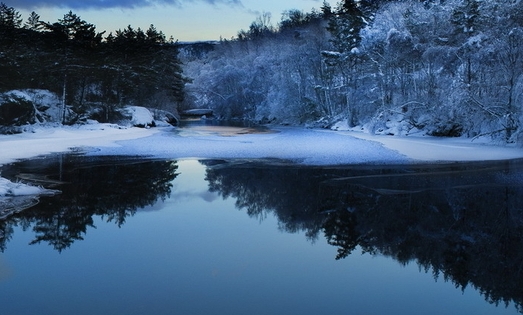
(16, 111)
(138, 116)
(164, 118)
(21, 108)
(342, 125)
(30, 106)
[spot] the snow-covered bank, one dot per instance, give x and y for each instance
(434, 149)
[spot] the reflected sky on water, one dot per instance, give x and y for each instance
(214, 237)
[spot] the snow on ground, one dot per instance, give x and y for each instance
(307, 146)
(433, 149)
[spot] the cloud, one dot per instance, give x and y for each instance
(106, 4)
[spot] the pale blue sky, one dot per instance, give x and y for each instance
(185, 20)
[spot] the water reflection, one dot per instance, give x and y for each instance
(113, 188)
(463, 223)
(469, 234)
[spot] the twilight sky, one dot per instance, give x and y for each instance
(185, 20)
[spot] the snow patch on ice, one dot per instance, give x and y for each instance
(436, 149)
(306, 146)
(8, 188)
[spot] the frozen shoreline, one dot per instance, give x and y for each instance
(304, 146)
(62, 139)
(15, 196)
(433, 149)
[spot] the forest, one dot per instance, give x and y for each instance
(91, 73)
(451, 68)
(435, 67)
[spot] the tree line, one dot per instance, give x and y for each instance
(439, 67)
(92, 71)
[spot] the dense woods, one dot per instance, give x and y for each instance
(93, 73)
(443, 68)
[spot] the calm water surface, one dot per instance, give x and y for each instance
(132, 236)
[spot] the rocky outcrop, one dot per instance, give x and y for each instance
(137, 116)
(163, 117)
(15, 111)
(19, 109)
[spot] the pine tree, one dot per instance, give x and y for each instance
(10, 19)
(33, 22)
(10, 22)
(326, 10)
(466, 18)
(345, 26)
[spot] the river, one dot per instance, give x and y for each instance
(128, 235)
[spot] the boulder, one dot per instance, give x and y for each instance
(137, 116)
(163, 117)
(16, 111)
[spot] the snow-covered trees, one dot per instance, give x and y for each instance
(265, 78)
(446, 68)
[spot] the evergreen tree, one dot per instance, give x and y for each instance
(326, 10)
(33, 22)
(10, 19)
(465, 17)
(74, 42)
(346, 25)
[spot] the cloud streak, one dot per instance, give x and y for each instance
(107, 4)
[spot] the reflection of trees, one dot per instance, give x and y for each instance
(6, 232)
(464, 229)
(290, 192)
(462, 222)
(113, 189)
